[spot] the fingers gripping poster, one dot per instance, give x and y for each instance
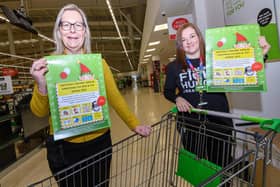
(77, 94)
(234, 59)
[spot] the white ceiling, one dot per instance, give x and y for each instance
(157, 12)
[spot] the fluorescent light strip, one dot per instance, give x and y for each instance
(161, 27)
(150, 50)
(5, 19)
(147, 56)
(119, 33)
(145, 59)
(154, 43)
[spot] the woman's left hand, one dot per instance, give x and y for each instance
(143, 130)
(264, 45)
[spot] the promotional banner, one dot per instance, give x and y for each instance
(234, 60)
(175, 22)
(259, 12)
(6, 86)
(77, 94)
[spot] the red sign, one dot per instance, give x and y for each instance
(178, 22)
(9, 72)
(172, 37)
(175, 22)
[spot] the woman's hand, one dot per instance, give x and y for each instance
(183, 105)
(143, 130)
(38, 71)
(264, 45)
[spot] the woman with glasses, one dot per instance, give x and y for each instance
(72, 36)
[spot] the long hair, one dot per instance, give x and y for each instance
(57, 36)
(179, 44)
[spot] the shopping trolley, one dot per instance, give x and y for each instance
(180, 152)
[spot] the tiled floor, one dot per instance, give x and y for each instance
(146, 104)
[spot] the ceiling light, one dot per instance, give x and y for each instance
(119, 32)
(5, 19)
(161, 27)
(154, 43)
(171, 59)
(145, 59)
(147, 56)
(149, 50)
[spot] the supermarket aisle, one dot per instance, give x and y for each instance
(146, 104)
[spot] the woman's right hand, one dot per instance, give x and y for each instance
(183, 105)
(38, 71)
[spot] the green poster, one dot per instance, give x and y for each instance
(234, 60)
(77, 95)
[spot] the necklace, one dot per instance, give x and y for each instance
(198, 74)
(199, 78)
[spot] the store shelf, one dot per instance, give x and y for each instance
(7, 117)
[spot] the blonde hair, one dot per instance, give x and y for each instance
(57, 36)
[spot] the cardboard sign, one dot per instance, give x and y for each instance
(77, 94)
(234, 59)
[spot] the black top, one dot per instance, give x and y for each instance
(185, 82)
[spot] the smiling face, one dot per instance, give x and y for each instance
(190, 43)
(73, 35)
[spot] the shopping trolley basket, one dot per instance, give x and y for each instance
(164, 159)
(218, 155)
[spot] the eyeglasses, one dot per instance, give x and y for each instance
(66, 26)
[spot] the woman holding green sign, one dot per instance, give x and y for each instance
(183, 75)
(72, 36)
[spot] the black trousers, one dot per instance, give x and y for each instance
(92, 161)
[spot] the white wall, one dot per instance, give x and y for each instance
(152, 10)
(208, 14)
(265, 104)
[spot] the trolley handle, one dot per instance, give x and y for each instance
(265, 123)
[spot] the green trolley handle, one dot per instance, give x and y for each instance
(265, 123)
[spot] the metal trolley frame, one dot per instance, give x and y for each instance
(164, 159)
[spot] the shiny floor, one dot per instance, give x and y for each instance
(147, 105)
